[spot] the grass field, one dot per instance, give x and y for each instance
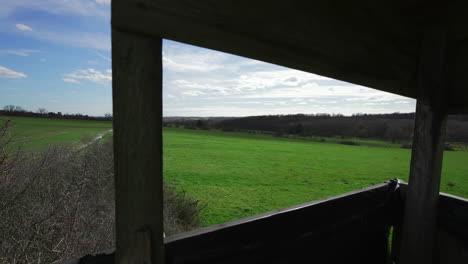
(36, 133)
(240, 175)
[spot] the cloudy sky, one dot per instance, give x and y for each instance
(56, 54)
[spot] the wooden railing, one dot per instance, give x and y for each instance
(349, 228)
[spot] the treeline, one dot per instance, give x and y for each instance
(395, 127)
(14, 110)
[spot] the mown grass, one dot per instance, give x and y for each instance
(240, 174)
(37, 133)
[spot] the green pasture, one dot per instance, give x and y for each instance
(238, 174)
(35, 133)
(363, 142)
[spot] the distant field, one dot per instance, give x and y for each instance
(36, 133)
(241, 174)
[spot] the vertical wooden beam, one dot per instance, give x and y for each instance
(137, 103)
(420, 215)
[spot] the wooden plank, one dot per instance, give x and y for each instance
(348, 228)
(452, 232)
(374, 45)
(452, 239)
(137, 103)
(419, 227)
(350, 224)
(359, 43)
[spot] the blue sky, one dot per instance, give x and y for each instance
(56, 54)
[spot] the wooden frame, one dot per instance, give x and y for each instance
(389, 49)
(137, 102)
(419, 236)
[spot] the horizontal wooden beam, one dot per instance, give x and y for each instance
(354, 224)
(317, 37)
(371, 45)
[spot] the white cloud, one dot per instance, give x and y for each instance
(193, 93)
(102, 56)
(7, 73)
(212, 88)
(98, 41)
(97, 8)
(90, 40)
(19, 52)
(23, 27)
(273, 78)
(201, 61)
(92, 75)
(207, 83)
(103, 2)
(70, 80)
(261, 84)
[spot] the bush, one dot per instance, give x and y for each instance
(347, 142)
(407, 146)
(181, 212)
(59, 203)
(448, 147)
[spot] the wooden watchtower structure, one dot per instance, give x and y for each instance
(417, 49)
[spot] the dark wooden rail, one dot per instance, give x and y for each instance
(352, 226)
(451, 229)
(349, 228)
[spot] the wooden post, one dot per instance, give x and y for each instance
(137, 103)
(419, 226)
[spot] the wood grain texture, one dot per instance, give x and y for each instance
(349, 228)
(137, 103)
(375, 44)
(420, 215)
(384, 205)
(452, 235)
(331, 38)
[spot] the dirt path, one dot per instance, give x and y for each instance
(96, 139)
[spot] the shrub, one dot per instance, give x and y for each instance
(347, 142)
(59, 203)
(448, 147)
(181, 212)
(407, 146)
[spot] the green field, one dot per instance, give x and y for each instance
(240, 175)
(35, 133)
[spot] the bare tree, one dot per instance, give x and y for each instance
(19, 109)
(42, 111)
(9, 108)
